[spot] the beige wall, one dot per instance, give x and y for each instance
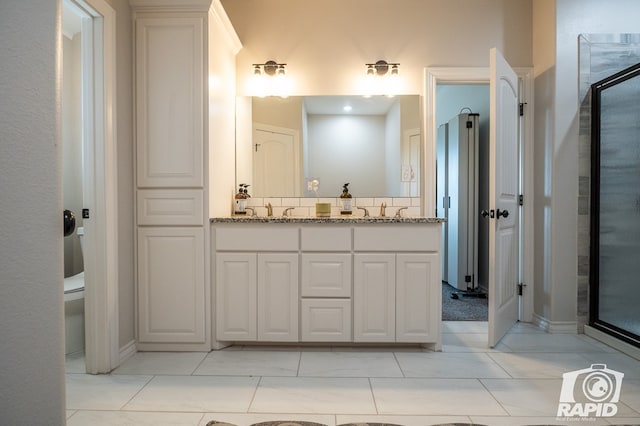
(326, 43)
(31, 306)
(556, 133)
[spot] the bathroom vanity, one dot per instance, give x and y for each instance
(329, 280)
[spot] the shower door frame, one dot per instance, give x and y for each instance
(594, 257)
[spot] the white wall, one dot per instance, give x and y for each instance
(31, 264)
(392, 146)
(347, 149)
(556, 149)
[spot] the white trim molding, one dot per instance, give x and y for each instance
(481, 75)
(555, 327)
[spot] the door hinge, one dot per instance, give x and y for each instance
(469, 124)
(520, 288)
(521, 200)
(85, 213)
(521, 108)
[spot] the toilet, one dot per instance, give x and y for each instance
(74, 307)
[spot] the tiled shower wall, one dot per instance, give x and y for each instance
(600, 56)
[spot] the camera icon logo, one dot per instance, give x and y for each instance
(592, 391)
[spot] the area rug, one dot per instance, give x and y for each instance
(463, 308)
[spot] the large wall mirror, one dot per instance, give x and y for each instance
(308, 146)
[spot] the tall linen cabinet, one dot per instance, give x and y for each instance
(184, 137)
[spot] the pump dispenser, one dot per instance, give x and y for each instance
(241, 199)
(345, 200)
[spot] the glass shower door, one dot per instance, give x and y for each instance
(615, 209)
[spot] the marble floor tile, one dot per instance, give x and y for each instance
(102, 392)
(527, 421)
(526, 397)
(464, 327)
(349, 364)
(401, 420)
(630, 395)
(195, 393)
(450, 365)
(433, 397)
(161, 363)
(70, 413)
(617, 361)
(130, 418)
(539, 365)
(74, 363)
(313, 395)
(249, 363)
(250, 419)
(552, 343)
(469, 342)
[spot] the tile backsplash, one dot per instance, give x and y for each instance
(306, 207)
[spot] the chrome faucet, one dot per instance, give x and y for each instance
(366, 212)
(253, 211)
(269, 210)
(286, 211)
(383, 207)
(399, 212)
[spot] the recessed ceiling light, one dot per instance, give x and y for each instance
(347, 108)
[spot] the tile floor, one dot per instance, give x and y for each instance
(517, 383)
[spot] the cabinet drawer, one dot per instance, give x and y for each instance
(326, 320)
(326, 238)
(170, 207)
(273, 237)
(397, 237)
(326, 275)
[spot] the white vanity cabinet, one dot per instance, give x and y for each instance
(397, 285)
(326, 303)
(256, 291)
(174, 51)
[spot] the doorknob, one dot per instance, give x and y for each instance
(485, 213)
(503, 213)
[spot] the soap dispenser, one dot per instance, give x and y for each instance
(241, 199)
(345, 200)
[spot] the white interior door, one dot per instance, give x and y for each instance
(503, 198)
(275, 164)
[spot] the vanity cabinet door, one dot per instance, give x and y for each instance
(171, 285)
(278, 297)
(236, 296)
(418, 297)
(374, 298)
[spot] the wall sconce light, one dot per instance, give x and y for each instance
(382, 67)
(265, 86)
(382, 78)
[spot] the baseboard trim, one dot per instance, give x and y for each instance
(127, 351)
(555, 327)
(609, 340)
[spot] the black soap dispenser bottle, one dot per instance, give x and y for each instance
(345, 200)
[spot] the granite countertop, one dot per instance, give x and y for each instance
(333, 219)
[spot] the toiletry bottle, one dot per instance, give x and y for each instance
(345, 200)
(241, 200)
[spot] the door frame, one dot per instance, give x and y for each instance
(471, 75)
(102, 349)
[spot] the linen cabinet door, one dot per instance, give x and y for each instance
(278, 297)
(418, 297)
(170, 99)
(236, 296)
(171, 285)
(374, 306)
